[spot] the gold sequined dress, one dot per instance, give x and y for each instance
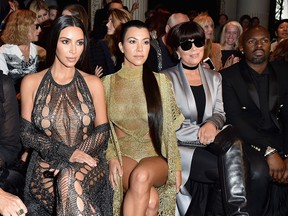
(127, 110)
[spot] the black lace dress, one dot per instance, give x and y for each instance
(62, 121)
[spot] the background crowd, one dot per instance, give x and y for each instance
(177, 115)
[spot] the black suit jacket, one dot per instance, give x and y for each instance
(9, 122)
(241, 104)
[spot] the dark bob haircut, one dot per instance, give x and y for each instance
(59, 24)
(183, 32)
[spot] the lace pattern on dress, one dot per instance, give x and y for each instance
(63, 120)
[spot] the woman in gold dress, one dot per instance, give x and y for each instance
(143, 157)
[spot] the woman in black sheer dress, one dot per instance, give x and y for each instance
(64, 122)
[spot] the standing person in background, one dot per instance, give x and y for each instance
(156, 23)
(105, 57)
(143, 157)
(19, 56)
(102, 14)
(41, 9)
(230, 43)
(280, 53)
(42, 13)
(254, 21)
(212, 50)
(222, 20)
(245, 21)
(281, 32)
(100, 20)
(212, 162)
(160, 57)
(53, 12)
(4, 11)
(79, 11)
(11, 181)
(48, 2)
(255, 95)
(64, 122)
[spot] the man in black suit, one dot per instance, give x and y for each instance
(255, 95)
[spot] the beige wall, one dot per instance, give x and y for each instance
(236, 8)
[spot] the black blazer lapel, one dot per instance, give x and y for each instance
(273, 99)
(250, 85)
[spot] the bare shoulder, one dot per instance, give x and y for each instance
(93, 82)
(32, 81)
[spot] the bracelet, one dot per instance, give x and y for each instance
(269, 151)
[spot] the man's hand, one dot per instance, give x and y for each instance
(276, 166)
(285, 175)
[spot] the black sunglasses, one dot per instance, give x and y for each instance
(37, 26)
(186, 45)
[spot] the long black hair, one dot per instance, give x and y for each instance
(58, 25)
(152, 94)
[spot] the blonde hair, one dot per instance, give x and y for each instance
(122, 16)
(240, 31)
(202, 19)
(18, 26)
(37, 5)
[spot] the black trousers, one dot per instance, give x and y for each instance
(264, 197)
(204, 183)
(12, 181)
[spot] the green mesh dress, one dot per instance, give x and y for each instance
(62, 121)
(127, 110)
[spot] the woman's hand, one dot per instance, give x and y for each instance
(276, 166)
(135, 6)
(11, 205)
(114, 170)
(231, 60)
(81, 157)
(207, 133)
(98, 71)
(178, 180)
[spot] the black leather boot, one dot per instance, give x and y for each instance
(232, 171)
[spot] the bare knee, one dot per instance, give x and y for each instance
(153, 204)
(140, 181)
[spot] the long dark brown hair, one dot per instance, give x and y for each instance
(152, 94)
(58, 25)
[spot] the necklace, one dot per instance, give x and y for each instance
(190, 68)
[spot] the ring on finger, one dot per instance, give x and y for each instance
(20, 212)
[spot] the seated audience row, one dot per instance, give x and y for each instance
(223, 168)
